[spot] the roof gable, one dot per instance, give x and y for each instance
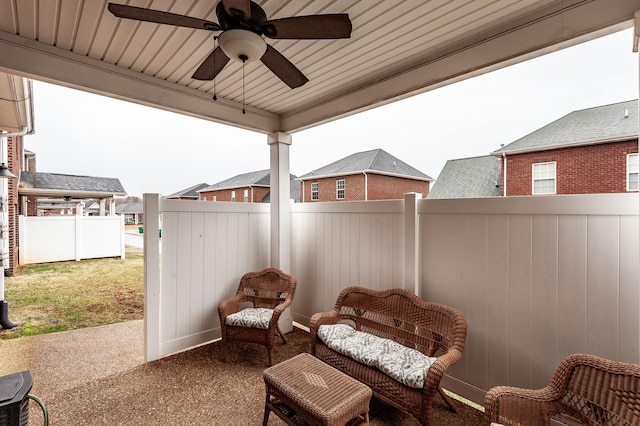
(475, 177)
(374, 161)
(608, 123)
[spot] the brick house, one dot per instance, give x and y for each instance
(368, 175)
(594, 150)
(252, 187)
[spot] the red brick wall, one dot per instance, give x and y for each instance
(592, 169)
(379, 187)
(256, 194)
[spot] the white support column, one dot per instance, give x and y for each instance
(102, 207)
(151, 277)
(280, 193)
(411, 242)
(280, 203)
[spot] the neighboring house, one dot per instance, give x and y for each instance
(253, 187)
(57, 193)
(190, 193)
(594, 150)
(369, 175)
(132, 212)
(475, 177)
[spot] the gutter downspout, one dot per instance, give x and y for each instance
(504, 177)
(366, 186)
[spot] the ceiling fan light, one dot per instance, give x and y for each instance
(241, 45)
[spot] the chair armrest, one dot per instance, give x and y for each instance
(230, 306)
(318, 319)
(278, 310)
(516, 406)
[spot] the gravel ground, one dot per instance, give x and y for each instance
(97, 376)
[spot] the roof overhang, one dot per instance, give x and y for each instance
(500, 153)
(397, 50)
(365, 172)
(16, 104)
(58, 193)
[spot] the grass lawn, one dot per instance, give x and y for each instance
(50, 297)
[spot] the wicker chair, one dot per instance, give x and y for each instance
(588, 389)
(251, 316)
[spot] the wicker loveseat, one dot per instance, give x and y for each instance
(590, 390)
(398, 315)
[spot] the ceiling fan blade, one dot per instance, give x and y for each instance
(281, 67)
(159, 17)
(240, 9)
(211, 66)
(309, 27)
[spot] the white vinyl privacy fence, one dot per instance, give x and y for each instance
(70, 237)
(538, 278)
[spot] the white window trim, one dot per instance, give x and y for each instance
(233, 196)
(630, 172)
(316, 192)
(246, 196)
(344, 187)
(533, 178)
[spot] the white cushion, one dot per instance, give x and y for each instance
(251, 318)
(406, 365)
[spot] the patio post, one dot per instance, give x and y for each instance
(280, 194)
(411, 239)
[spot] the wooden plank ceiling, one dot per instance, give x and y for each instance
(396, 49)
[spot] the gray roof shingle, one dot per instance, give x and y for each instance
(607, 123)
(258, 178)
(374, 161)
(135, 207)
(191, 192)
(475, 177)
(61, 182)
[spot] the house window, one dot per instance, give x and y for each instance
(215, 198)
(314, 191)
(632, 172)
(544, 178)
(340, 189)
(246, 195)
(233, 196)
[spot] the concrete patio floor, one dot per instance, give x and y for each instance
(98, 376)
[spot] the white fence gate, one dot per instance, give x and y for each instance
(59, 238)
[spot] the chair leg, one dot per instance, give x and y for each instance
(448, 400)
(284, 341)
(224, 351)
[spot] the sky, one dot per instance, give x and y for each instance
(155, 151)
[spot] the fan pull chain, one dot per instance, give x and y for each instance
(244, 60)
(215, 45)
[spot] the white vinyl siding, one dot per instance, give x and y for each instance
(544, 178)
(632, 172)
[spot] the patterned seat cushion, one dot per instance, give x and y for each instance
(406, 365)
(250, 318)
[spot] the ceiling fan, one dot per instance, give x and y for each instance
(242, 24)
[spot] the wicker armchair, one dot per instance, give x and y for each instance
(251, 316)
(588, 389)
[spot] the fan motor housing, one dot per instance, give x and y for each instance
(229, 22)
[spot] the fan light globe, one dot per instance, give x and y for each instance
(241, 44)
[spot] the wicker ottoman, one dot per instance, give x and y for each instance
(304, 390)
